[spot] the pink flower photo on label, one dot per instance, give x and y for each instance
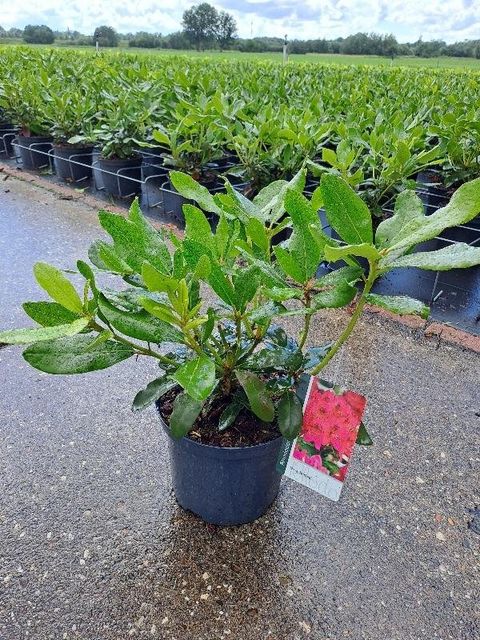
(330, 426)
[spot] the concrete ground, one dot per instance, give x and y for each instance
(94, 547)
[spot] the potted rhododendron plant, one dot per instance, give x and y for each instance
(206, 310)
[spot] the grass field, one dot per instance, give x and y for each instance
(323, 58)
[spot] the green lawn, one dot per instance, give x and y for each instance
(324, 58)
(327, 58)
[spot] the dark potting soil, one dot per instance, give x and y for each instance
(247, 430)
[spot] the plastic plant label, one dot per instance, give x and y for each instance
(318, 458)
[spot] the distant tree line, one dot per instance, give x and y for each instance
(203, 27)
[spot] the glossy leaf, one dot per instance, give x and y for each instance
(455, 256)
(197, 377)
(400, 305)
(37, 334)
(290, 415)
(185, 411)
(260, 402)
(229, 414)
(346, 211)
(49, 314)
(192, 190)
(140, 325)
(463, 207)
(152, 392)
(71, 355)
(408, 210)
(332, 254)
(58, 287)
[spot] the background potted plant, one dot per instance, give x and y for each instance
(228, 384)
(25, 102)
(120, 126)
(72, 113)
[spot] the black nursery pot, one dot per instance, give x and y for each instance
(7, 133)
(120, 185)
(31, 150)
(67, 155)
(225, 486)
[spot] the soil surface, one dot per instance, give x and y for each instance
(246, 431)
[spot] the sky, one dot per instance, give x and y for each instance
(450, 20)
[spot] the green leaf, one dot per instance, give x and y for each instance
(272, 197)
(280, 358)
(260, 402)
(289, 264)
(408, 210)
(136, 241)
(71, 355)
(222, 286)
(197, 227)
(192, 190)
(229, 414)
(246, 284)
(348, 274)
(86, 271)
(161, 137)
(102, 337)
(197, 377)
(157, 281)
(280, 294)
(58, 287)
(140, 325)
(104, 256)
(257, 233)
(363, 437)
(159, 310)
(301, 211)
(263, 314)
(152, 392)
(317, 199)
(49, 314)
(314, 355)
(455, 256)
(270, 277)
(346, 211)
(185, 411)
(37, 334)
(463, 207)
(290, 415)
(332, 254)
(401, 305)
(334, 297)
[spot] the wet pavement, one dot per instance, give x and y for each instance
(94, 547)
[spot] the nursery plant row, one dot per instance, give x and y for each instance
(254, 121)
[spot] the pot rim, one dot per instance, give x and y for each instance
(212, 450)
(131, 159)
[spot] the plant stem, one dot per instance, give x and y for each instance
(138, 348)
(351, 324)
(306, 324)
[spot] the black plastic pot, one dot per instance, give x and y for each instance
(117, 173)
(173, 202)
(32, 150)
(7, 133)
(66, 155)
(152, 165)
(224, 485)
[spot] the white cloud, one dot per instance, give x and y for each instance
(445, 19)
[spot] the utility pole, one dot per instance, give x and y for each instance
(285, 52)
